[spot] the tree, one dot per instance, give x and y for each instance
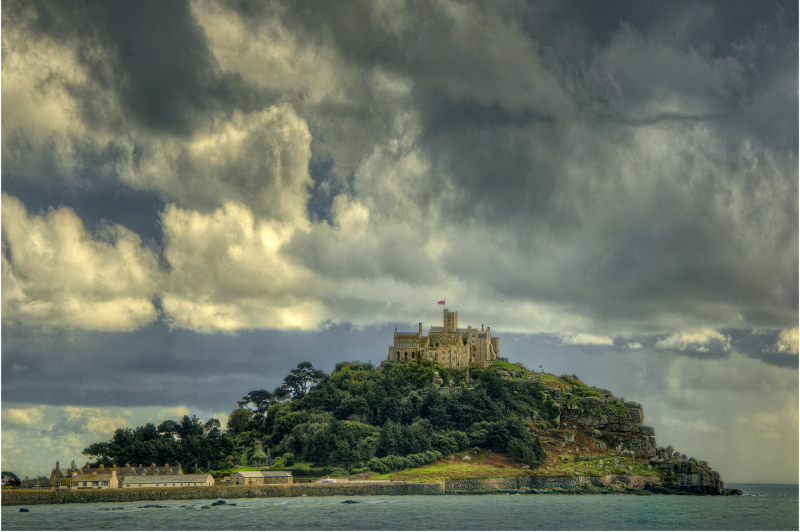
(190, 426)
(10, 479)
(168, 427)
(301, 379)
(260, 400)
(239, 419)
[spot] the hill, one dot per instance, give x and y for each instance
(420, 421)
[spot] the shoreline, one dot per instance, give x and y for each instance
(609, 484)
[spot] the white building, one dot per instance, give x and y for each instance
(166, 481)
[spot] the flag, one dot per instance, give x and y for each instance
(441, 302)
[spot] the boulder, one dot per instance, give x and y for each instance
(636, 414)
(594, 401)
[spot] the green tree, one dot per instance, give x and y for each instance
(168, 427)
(257, 401)
(301, 379)
(10, 479)
(239, 419)
(190, 426)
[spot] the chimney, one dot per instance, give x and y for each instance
(420, 328)
(481, 327)
(102, 467)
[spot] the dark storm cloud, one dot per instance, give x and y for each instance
(151, 55)
(95, 203)
(158, 366)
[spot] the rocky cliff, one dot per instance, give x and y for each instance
(608, 434)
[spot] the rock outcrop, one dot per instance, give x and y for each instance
(613, 424)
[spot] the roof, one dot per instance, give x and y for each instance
(255, 474)
(99, 476)
(35, 483)
(149, 470)
(259, 452)
(161, 479)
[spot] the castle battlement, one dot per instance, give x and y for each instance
(449, 345)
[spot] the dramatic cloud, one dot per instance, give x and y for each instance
(227, 273)
(56, 274)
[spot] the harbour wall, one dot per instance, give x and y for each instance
(574, 485)
(31, 497)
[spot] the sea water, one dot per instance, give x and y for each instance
(762, 507)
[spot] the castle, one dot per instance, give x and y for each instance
(452, 347)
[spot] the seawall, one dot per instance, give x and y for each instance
(31, 497)
(573, 485)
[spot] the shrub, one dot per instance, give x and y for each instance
(288, 458)
(378, 465)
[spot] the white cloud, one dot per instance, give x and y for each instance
(56, 274)
(787, 341)
(24, 417)
(698, 341)
(228, 273)
(585, 339)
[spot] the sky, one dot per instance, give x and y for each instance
(199, 195)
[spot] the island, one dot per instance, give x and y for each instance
(444, 414)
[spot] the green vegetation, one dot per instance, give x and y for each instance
(389, 420)
(10, 480)
(191, 443)
(358, 415)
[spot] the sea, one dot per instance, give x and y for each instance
(762, 507)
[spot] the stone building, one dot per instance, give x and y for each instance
(451, 346)
(257, 478)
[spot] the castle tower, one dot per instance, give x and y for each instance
(450, 321)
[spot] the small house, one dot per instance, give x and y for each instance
(256, 478)
(102, 480)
